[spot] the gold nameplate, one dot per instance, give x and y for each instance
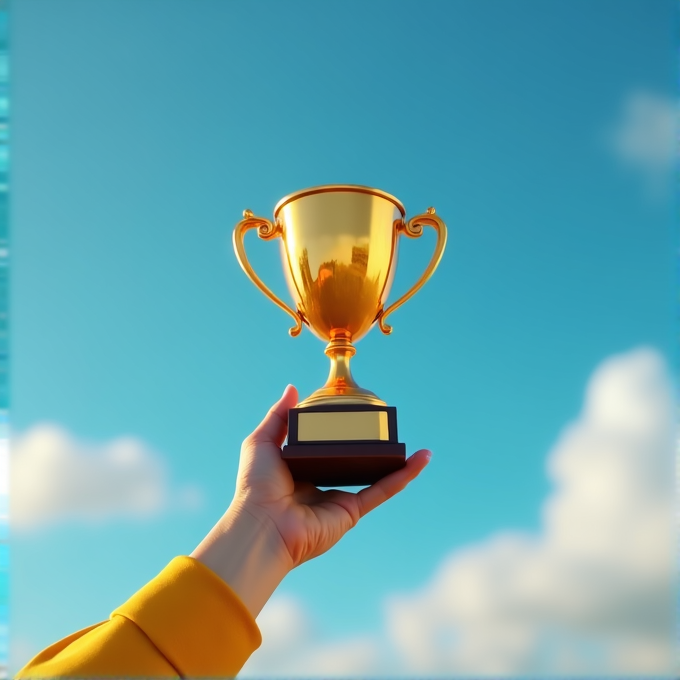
(343, 426)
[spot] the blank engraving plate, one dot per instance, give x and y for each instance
(343, 426)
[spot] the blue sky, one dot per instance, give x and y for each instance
(140, 132)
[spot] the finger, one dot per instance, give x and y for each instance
(346, 500)
(274, 427)
(371, 497)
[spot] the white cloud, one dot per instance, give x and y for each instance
(591, 593)
(291, 647)
(21, 651)
(645, 139)
(56, 478)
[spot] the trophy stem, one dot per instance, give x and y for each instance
(340, 351)
(341, 388)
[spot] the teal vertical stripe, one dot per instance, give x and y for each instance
(4, 341)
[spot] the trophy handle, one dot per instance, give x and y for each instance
(265, 230)
(414, 229)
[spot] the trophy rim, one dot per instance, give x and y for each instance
(328, 188)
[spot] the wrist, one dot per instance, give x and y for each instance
(246, 552)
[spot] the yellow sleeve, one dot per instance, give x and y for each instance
(184, 622)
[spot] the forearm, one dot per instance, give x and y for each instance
(246, 553)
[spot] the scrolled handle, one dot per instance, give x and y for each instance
(414, 229)
(267, 230)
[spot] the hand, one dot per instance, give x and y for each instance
(273, 523)
(308, 520)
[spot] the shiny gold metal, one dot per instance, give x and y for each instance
(339, 244)
(343, 426)
(265, 230)
(339, 248)
(340, 387)
(414, 229)
(355, 188)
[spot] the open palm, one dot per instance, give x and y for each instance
(308, 520)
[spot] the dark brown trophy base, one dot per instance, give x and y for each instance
(343, 445)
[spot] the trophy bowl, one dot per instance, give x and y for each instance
(340, 248)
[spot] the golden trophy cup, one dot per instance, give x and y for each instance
(339, 250)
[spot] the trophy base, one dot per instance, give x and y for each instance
(343, 444)
(343, 464)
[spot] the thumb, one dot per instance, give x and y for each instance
(274, 426)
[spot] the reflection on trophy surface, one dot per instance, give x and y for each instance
(339, 251)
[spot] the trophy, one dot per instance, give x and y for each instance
(339, 252)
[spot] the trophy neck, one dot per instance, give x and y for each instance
(340, 388)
